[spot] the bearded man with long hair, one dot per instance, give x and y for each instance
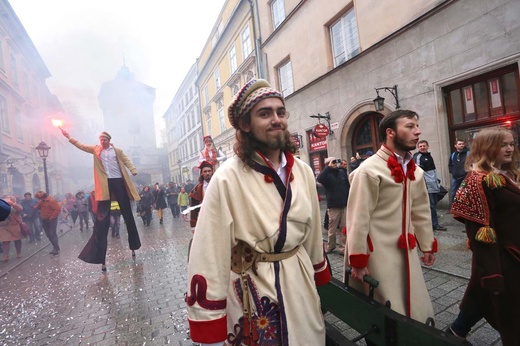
(257, 251)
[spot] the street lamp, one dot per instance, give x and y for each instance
(379, 102)
(180, 171)
(43, 151)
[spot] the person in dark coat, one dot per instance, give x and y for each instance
(172, 193)
(159, 195)
(456, 166)
(488, 202)
(335, 181)
(146, 205)
(30, 216)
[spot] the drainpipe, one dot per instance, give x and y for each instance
(258, 52)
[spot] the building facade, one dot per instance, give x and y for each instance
(228, 60)
(184, 130)
(26, 109)
(454, 62)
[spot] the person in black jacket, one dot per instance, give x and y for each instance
(335, 181)
(456, 166)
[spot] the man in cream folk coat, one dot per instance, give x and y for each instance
(388, 220)
(257, 253)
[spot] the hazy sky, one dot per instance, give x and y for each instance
(83, 43)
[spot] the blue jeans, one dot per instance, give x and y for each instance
(467, 318)
(433, 209)
(455, 183)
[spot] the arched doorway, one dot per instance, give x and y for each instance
(366, 134)
(36, 183)
(18, 184)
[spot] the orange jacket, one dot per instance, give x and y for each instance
(49, 208)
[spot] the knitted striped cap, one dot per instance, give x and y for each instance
(251, 93)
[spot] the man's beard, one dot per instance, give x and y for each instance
(400, 145)
(278, 142)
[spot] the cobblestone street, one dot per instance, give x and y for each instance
(60, 300)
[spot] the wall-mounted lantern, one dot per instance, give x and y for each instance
(379, 102)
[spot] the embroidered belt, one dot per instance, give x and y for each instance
(244, 257)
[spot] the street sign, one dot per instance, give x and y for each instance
(321, 131)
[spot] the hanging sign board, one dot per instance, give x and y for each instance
(321, 131)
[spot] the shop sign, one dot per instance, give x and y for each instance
(316, 143)
(321, 131)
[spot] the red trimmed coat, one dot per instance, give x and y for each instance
(242, 204)
(388, 220)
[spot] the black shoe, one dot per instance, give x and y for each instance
(133, 253)
(54, 252)
(160, 221)
(103, 268)
(440, 228)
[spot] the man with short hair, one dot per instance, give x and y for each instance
(81, 206)
(388, 220)
(456, 166)
(49, 209)
(334, 179)
(198, 192)
(30, 216)
(257, 252)
(424, 159)
(188, 186)
(112, 182)
(172, 193)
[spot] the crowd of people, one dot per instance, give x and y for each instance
(257, 250)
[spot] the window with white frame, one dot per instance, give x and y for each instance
(208, 122)
(216, 76)
(221, 120)
(14, 70)
(232, 59)
(344, 37)
(246, 42)
(4, 116)
(286, 78)
(18, 124)
(206, 94)
(278, 12)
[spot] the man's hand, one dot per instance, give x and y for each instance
(65, 133)
(359, 273)
(428, 259)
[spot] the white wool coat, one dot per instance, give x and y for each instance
(241, 205)
(380, 210)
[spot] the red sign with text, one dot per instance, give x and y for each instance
(321, 131)
(316, 143)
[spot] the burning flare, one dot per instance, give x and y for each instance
(57, 122)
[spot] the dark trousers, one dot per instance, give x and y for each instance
(96, 249)
(34, 229)
(467, 318)
(49, 226)
(83, 217)
(175, 210)
(433, 209)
